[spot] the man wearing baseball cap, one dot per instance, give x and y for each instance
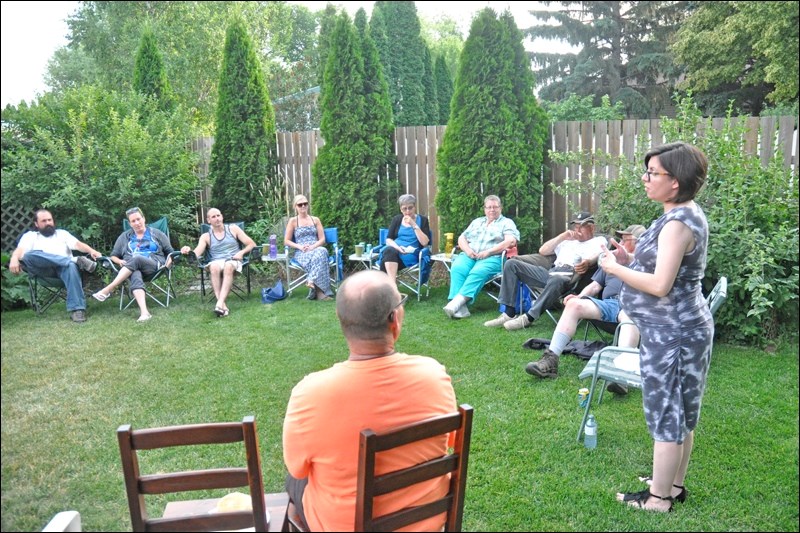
(586, 306)
(576, 251)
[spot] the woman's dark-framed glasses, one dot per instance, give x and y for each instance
(651, 173)
(302, 204)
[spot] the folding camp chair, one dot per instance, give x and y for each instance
(45, 292)
(415, 277)
(202, 263)
(615, 363)
(335, 262)
(159, 285)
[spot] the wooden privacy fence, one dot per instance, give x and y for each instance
(416, 149)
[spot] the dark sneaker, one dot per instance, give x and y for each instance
(79, 315)
(617, 388)
(546, 367)
(84, 263)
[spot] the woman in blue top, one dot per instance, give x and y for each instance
(408, 233)
(139, 252)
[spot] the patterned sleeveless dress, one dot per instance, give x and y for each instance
(315, 262)
(677, 331)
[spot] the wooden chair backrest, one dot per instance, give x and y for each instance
(370, 486)
(138, 485)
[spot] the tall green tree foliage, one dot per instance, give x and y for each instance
(741, 51)
(327, 22)
(403, 59)
(444, 88)
(345, 185)
(623, 52)
(443, 37)
(429, 83)
(191, 36)
(378, 124)
(243, 161)
(494, 141)
(149, 75)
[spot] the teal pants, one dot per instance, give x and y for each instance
(468, 276)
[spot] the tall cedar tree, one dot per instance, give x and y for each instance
(243, 161)
(623, 52)
(149, 75)
(494, 140)
(404, 65)
(444, 88)
(345, 186)
(378, 124)
(429, 83)
(326, 23)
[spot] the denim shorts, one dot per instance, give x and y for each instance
(608, 308)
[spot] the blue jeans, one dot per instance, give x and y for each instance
(44, 265)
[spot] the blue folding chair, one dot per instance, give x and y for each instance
(335, 262)
(414, 277)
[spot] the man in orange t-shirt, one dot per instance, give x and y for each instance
(376, 388)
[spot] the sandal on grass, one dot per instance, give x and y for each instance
(680, 498)
(219, 311)
(641, 498)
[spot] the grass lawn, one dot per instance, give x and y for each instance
(67, 387)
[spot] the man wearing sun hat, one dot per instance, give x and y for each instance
(587, 306)
(576, 251)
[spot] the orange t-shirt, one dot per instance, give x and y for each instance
(326, 413)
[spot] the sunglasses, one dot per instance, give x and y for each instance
(132, 210)
(302, 204)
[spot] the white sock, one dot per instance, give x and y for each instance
(559, 342)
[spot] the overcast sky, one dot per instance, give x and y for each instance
(33, 31)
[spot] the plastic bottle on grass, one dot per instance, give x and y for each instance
(590, 433)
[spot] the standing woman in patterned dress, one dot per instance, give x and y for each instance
(662, 295)
(306, 235)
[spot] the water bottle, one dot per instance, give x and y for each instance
(273, 246)
(590, 435)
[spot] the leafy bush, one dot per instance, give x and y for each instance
(88, 154)
(15, 292)
(752, 212)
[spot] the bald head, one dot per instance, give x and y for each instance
(363, 304)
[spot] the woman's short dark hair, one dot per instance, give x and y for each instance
(684, 162)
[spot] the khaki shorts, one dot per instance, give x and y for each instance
(221, 264)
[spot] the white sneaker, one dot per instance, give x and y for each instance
(461, 312)
(519, 322)
(497, 322)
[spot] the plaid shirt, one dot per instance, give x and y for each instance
(482, 237)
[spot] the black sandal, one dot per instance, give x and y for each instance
(640, 498)
(680, 498)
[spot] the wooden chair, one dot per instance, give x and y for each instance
(198, 515)
(369, 486)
